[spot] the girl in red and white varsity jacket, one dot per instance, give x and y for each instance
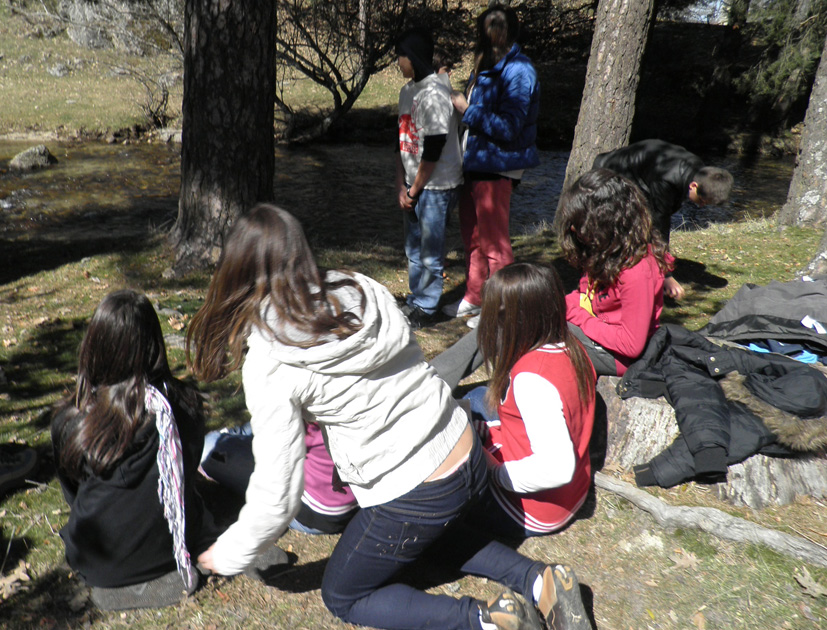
(542, 389)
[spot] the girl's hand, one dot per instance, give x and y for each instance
(459, 101)
(205, 559)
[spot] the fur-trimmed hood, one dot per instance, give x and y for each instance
(793, 431)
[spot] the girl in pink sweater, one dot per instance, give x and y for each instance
(604, 228)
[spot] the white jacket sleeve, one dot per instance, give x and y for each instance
(276, 485)
(552, 461)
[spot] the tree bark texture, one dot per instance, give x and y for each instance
(228, 153)
(638, 429)
(807, 199)
(612, 77)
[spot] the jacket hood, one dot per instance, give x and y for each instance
(384, 334)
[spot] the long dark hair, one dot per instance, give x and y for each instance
(497, 30)
(122, 352)
(523, 308)
(604, 226)
(266, 264)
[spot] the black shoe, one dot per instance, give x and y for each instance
(420, 319)
(508, 613)
(16, 465)
(166, 590)
(268, 564)
(560, 601)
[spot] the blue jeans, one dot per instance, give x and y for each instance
(425, 247)
(381, 540)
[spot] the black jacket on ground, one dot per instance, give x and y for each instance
(117, 534)
(663, 171)
(715, 431)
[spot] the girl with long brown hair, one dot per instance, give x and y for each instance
(605, 229)
(538, 408)
(500, 109)
(126, 451)
(333, 348)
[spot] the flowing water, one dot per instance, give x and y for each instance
(98, 191)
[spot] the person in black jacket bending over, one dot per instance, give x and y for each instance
(667, 174)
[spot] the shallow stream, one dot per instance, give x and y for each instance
(98, 189)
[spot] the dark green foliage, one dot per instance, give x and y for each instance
(791, 34)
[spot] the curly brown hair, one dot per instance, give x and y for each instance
(604, 226)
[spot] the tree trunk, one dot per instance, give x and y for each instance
(807, 199)
(635, 430)
(228, 153)
(612, 77)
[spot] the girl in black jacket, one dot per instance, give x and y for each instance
(127, 450)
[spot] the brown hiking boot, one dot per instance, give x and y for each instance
(560, 601)
(508, 613)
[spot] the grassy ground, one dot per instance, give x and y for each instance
(54, 271)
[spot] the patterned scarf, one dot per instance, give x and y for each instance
(171, 479)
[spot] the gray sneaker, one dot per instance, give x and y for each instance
(560, 601)
(460, 308)
(509, 613)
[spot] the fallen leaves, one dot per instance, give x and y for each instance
(15, 580)
(178, 322)
(809, 585)
(683, 560)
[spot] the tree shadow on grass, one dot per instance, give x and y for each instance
(91, 231)
(44, 365)
(54, 600)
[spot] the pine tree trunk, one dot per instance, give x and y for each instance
(228, 154)
(612, 77)
(807, 199)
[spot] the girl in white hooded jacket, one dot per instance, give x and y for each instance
(333, 348)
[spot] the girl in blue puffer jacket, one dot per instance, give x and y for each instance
(500, 108)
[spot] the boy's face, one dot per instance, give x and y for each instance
(694, 197)
(406, 67)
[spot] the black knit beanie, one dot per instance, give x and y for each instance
(417, 45)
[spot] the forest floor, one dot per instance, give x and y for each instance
(54, 269)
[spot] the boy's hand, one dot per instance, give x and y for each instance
(672, 288)
(405, 202)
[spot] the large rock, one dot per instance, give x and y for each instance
(32, 159)
(637, 429)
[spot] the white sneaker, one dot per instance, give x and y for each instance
(460, 309)
(473, 322)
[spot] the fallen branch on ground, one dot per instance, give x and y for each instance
(715, 522)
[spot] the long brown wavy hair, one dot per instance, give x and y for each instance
(524, 308)
(266, 266)
(604, 226)
(122, 352)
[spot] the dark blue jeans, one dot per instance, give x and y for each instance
(381, 540)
